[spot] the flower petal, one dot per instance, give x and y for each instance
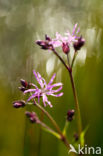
(52, 79)
(56, 43)
(39, 78)
(45, 99)
(29, 90)
(56, 85)
(31, 97)
(54, 91)
(34, 85)
(57, 95)
(74, 29)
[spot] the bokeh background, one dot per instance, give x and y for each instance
(23, 22)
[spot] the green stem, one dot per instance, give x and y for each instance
(48, 129)
(68, 59)
(62, 137)
(76, 103)
(65, 127)
(73, 88)
(75, 54)
(50, 117)
(60, 58)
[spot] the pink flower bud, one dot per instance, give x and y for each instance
(18, 104)
(65, 48)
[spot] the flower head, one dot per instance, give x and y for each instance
(68, 39)
(63, 41)
(45, 89)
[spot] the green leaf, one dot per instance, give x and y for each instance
(65, 128)
(82, 139)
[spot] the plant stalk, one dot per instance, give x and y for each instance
(62, 137)
(73, 88)
(76, 103)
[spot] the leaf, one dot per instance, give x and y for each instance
(82, 140)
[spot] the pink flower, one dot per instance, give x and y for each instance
(63, 41)
(67, 39)
(45, 89)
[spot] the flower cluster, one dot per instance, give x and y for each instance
(44, 89)
(63, 41)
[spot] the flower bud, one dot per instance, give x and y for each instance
(77, 45)
(70, 115)
(24, 83)
(22, 89)
(65, 48)
(33, 117)
(18, 104)
(45, 44)
(47, 38)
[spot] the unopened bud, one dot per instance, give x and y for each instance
(22, 89)
(47, 38)
(18, 104)
(45, 44)
(24, 83)
(77, 45)
(65, 48)
(70, 115)
(33, 117)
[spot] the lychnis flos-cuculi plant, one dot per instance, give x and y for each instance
(40, 93)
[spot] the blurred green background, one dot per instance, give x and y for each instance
(23, 22)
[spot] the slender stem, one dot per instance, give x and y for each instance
(40, 133)
(76, 103)
(50, 117)
(68, 59)
(60, 58)
(63, 138)
(75, 53)
(47, 128)
(73, 88)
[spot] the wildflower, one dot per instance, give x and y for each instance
(45, 89)
(79, 43)
(68, 39)
(33, 117)
(18, 104)
(63, 41)
(45, 44)
(70, 115)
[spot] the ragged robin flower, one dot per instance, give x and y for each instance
(63, 41)
(44, 90)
